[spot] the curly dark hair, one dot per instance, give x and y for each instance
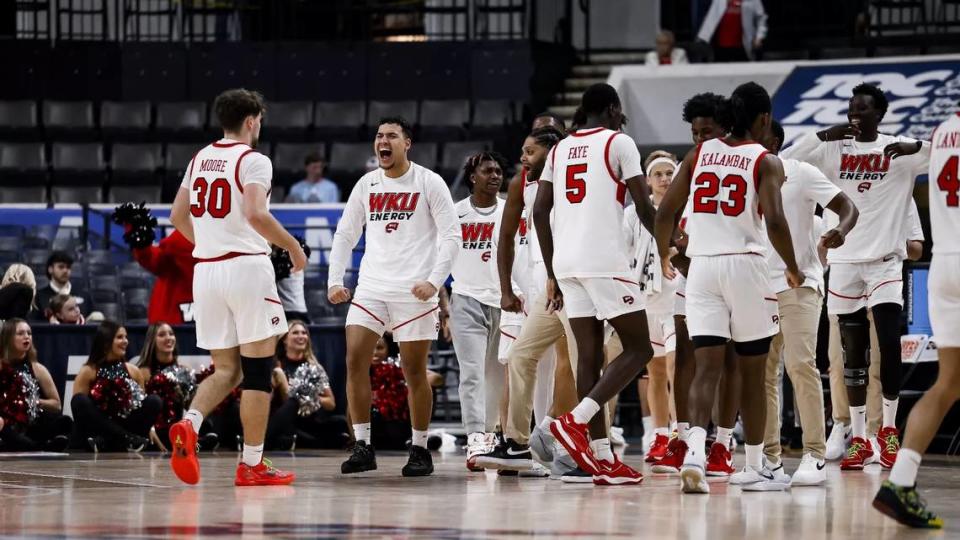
(547, 136)
(475, 160)
(704, 105)
(747, 102)
(880, 102)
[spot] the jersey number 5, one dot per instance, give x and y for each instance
(212, 198)
(576, 185)
(707, 187)
(949, 181)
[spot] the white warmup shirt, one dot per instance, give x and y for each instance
(412, 233)
(648, 271)
(475, 271)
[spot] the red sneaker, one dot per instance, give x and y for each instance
(673, 459)
(889, 440)
(859, 454)
(658, 449)
(575, 438)
(183, 457)
(616, 474)
(264, 474)
(719, 462)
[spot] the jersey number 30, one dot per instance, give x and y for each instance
(212, 198)
(707, 187)
(949, 181)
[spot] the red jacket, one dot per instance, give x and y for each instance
(172, 262)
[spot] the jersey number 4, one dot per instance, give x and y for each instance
(212, 198)
(707, 187)
(949, 181)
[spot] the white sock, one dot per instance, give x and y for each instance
(647, 424)
(601, 449)
(724, 435)
(683, 429)
(696, 441)
(195, 419)
(252, 455)
(545, 423)
(585, 410)
(754, 456)
(662, 431)
(419, 438)
(904, 473)
(890, 412)
(362, 432)
(858, 421)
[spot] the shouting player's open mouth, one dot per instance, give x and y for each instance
(385, 153)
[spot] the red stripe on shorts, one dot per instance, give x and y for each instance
(415, 318)
(368, 312)
(274, 301)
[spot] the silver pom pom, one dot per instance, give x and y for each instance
(32, 392)
(308, 384)
(185, 379)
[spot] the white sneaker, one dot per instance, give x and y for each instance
(541, 444)
(647, 440)
(537, 471)
(875, 444)
(693, 474)
(750, 479)
(838, 441)
(477, 443)
(811, 472)
(617, 443)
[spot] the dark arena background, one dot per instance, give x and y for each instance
(105, 103)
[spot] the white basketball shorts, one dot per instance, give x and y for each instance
(943, 288)
(662, 334)
(407, 321)
(602, 297)
(854, 286)
(730, 296)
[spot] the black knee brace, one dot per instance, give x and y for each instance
(886, 320)
(257, 373)
(855, 342)
(757, 347)
(708, 341)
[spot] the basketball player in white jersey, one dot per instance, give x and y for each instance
(795, 346)
(898, 497)
(877, 171)
(539, 360)
(729, 297)
(583, 189)
(475, 305)
(412, 240)
(222, 207)
(660, 294)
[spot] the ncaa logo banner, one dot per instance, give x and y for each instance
(922, 94)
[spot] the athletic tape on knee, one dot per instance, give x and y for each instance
(257, 373)
(855, 342)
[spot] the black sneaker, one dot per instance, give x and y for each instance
(420, 462)
(209, 441)
(136, 443)
(362, 459)
(57, 444)
(508, 472)
(96, 444)
(509, 455)
(906, 506)
(577, 476)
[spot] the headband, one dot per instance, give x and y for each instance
(659, 161)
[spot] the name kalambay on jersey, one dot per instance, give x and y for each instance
(722, 159)
(861, 167)
(477, 235)
(393, 206)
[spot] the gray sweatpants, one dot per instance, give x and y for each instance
(476, 337)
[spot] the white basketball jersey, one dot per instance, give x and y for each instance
(530, 188)
(216, 178)
(587, 170)
(725, 216)
(945, 186)
(475, 270)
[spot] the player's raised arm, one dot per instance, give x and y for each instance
(778, 230)
(506, 248)
(449, 236)
(673, 201)
(348, 232)
(626, 158)
(180, 211)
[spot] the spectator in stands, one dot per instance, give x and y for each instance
(319, 428)
(49, 429)
(736, 29)
(314, 188)
(666, 52)
(18, 291)
(172, 262)
(58, 270)
(109, 406)
(63, 309)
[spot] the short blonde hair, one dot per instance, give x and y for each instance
(21, 273)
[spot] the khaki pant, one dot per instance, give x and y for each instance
(838, 391)
(796, 347)
(539, 332)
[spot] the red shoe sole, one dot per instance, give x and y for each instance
(183, 458)
(579, 456)
(265, 482)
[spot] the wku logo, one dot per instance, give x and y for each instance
(477, 235)
(628, 300)
(393, 206)
(392, 226)
(864, 167)
(486, 256)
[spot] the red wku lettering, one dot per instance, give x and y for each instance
(470, 231)
(377, 201)
(486, 233)
(849, 162)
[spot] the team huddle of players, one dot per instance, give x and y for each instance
(562, 294)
